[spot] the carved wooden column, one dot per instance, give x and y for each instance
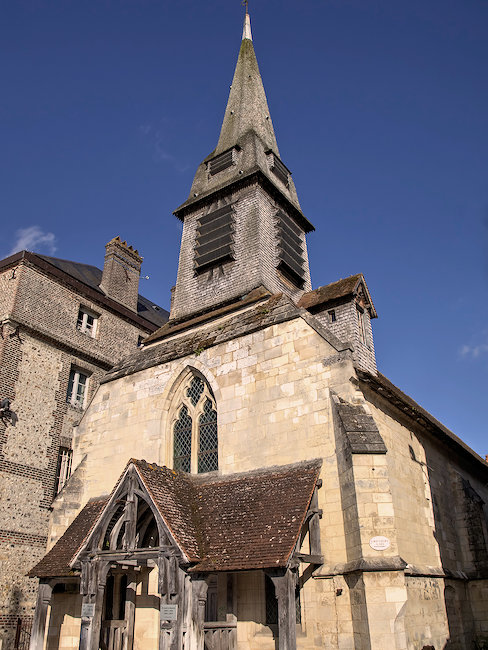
(40, 616)
(171, 587)
(130, 611)
(285, 585)
(92, 587)
(199, 587)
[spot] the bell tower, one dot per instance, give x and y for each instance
(242, 223)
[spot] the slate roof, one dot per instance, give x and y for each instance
(362, 433)
(384, 387)
(92, 276)
(57, 562)
(335, 291)
(222, 523)
(276, 309)
(167, 347)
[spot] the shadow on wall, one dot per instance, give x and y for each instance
(460, 530)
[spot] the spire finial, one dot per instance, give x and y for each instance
(246, 32)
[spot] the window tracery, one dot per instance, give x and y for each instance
(195, 439)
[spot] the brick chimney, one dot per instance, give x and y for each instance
(121, 271)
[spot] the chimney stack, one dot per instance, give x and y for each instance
(121, 272)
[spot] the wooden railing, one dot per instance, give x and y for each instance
(220, 635)
(112, 636)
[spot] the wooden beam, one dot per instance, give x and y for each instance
(311, 559)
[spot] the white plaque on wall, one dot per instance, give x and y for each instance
(379, 543)
(88, 609)
(169, 612)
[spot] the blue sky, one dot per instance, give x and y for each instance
(380, 109)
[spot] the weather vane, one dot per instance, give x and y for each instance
(245, 3)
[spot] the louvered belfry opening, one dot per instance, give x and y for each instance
(291, 255)
(221, 162)
(279, 170)
(215, 236)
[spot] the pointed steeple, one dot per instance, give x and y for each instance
(247, 108)
(243, 226)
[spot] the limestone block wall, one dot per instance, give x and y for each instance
(255, 252)
(272, 390)
(260, 381)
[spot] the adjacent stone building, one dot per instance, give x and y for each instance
(248, 479)
(62, 326)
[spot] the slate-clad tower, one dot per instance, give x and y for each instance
(242, 223)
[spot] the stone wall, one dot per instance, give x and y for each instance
(40, 344)
(273, 394)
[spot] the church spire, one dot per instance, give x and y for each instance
(247, 107)
(243, 228)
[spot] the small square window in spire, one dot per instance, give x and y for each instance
(221, 162)
(292, 259)
(215, 236)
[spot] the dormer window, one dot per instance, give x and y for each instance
(215, 236)
(291, 255)
(221, 162)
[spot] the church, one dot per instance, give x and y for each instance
(248, 478)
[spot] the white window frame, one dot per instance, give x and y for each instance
(74, 377)
(82, 324)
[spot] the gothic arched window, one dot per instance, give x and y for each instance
(195, 441)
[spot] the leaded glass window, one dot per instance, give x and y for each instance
(182, 441)
(195, 439)
(208, 459)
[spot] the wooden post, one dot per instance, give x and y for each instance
(130, 611)
(199, 600)
(40, 616)
(285, 585)
(92, 587)
(314, 525)
(171, 587)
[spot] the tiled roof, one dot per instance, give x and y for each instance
(221, 523)
(277, 309)
(272, 311)
(57, 562)
(253, 520)
(335, 291)
(172, 327)
(241, 521)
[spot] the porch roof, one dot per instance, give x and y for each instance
(236, 522)
(57, 562)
